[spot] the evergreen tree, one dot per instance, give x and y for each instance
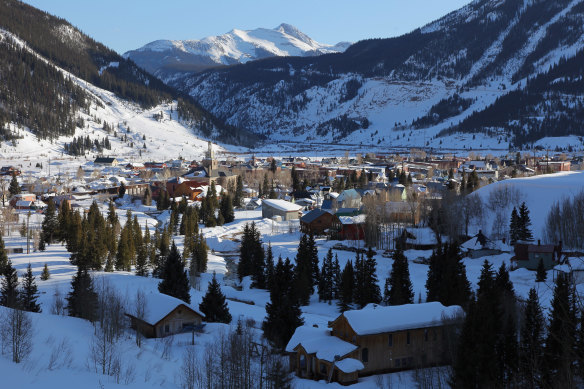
(447, 282)
(561, 336)
(278, 376)
(524, 222)
(283, 313)
(3, 257)
(14, 187)
(226, 209)
(303, 275)
(174, 277)
(147, 199)
(398, 286)
(142, 261)
(346, 287)
(199, 255)
(238, 197)
(30, 293)
(9, 296)
(214, 306)
(336, 277)
(82, 300)
(45, 275)
(326, 281)
(269, 267)
(514, 227)
(541, 273)
(531, 343)
(50, 225)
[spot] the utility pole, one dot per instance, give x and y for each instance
(27, 233)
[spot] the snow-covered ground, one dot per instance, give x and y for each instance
(148, 367)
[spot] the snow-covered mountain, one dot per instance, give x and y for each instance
(493, 74)
(163, 58)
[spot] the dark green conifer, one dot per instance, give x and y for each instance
(214, 306)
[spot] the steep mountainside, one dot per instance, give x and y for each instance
(165, 58)
(47, 66)
(419, 88)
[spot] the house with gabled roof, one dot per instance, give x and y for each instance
(317, 221)
(373, 340)
(165, 315)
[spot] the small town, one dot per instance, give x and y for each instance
(292, 195)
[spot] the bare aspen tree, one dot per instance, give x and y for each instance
(16, 333)
(140, 309)
(191, 376)
(58, 306)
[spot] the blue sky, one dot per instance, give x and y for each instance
(128, 24)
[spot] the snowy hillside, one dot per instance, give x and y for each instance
(539, 193)
(416, 89)
(163, 57)
(135, 132)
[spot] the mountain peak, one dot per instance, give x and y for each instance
(164, 58)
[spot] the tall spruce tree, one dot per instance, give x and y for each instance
(3, 257)
(304, 271)
(226, 208)
(531, 343)
(199, 255)
(283, 313)
(541, 273)
(346, 287)
(9, 295)
(524, 231)
(82, 299)
(214, 306)
(30, 293)
(45, 275)
(14, 187)
(326, 281)
(174, 277)
(447, 282)
(269, 267)
(336, 277)
(561, 336)
(398, 286)
(50, 225)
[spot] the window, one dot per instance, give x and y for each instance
(166, 328)
(426, 335)
(408, 337)
(323, 369)
(390, 340)
(404, 362)
(365, 355)
(303, 361)
(354, 339)
(434, 335)
(397, 362)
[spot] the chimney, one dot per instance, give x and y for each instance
(539, 242)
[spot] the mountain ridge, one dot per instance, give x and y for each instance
(481, 52)
(163, 58)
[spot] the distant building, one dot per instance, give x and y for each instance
(285, 209)
(317, 221)
(105, 161)
(528, 255)
(9, 171)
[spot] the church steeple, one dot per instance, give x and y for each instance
(210, 162)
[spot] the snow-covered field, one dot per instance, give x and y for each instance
(147, 366)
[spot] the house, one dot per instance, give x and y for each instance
(105, 161)
(30, 197)
(373, 340)
(9, 171)
(573, 268)
(285, 209)
(317, 221)
(179, 187)
(253, 204)
(528, 255)
(479, 246)
(349, 198)
(165, 315)
(350, 227)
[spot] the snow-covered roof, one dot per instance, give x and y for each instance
(158, 305)
(349, 365)
(319, 341)
(359, 219)
(282, 205)
(376, 319)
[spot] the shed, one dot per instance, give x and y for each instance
(317, 221)
(285, 209)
